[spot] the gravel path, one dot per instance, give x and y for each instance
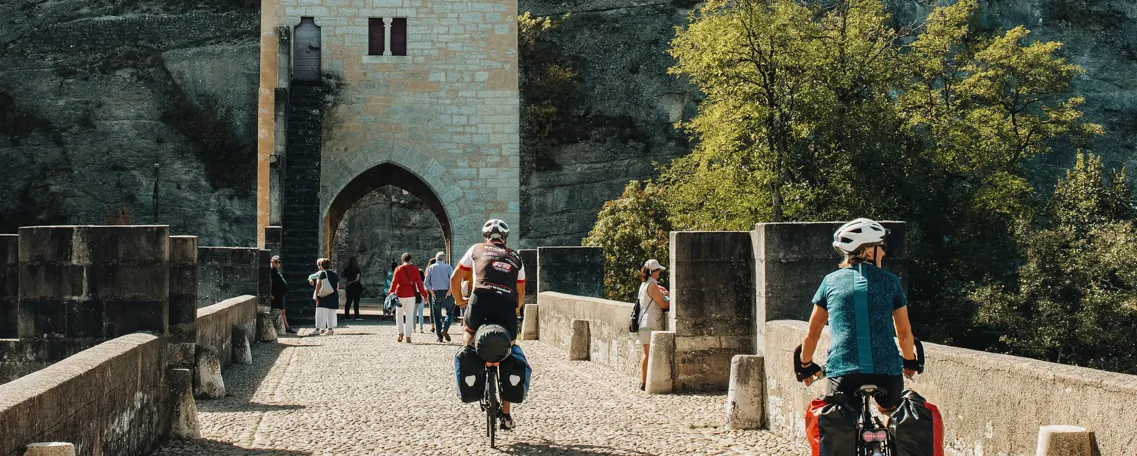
(359, 393)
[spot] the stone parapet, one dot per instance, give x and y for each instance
(9, 285)
(226, 272)
(109, 399)
(529, 259)
(183, 289)
(991, 403)
(609, 341)
(215, 324)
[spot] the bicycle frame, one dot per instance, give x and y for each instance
(880, 442)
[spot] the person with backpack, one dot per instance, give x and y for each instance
(650, 302)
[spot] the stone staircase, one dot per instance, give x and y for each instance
(301, 217)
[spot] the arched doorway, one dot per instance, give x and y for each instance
(306, 51)
(386, 174)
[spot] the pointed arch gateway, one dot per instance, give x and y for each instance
(373, 179)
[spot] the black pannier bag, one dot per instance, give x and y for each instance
(917, 428)
(470, 373)
(514, 374)
(831, 426)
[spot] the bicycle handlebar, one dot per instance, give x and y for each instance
(804, 372)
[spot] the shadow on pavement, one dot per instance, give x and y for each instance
(205, 447)
(548, 447)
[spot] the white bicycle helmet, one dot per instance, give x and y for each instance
(851, 237)
(495, 229)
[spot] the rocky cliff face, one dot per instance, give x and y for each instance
(94, 93)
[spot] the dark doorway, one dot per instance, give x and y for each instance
(306, 51)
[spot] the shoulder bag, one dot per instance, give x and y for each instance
(325, 285)
(418, 296)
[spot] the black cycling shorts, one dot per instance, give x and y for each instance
(491, 309)
(850, 384)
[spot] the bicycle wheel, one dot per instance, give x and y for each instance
(491, 411)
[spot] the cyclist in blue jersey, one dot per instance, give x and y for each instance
(865, 308)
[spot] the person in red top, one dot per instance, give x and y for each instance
(404, 283)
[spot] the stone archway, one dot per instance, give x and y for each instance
(377, 177)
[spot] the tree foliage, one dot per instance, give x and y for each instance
(1075, 300)
(826, 111)
(631, 229)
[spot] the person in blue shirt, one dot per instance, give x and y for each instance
(865, 308)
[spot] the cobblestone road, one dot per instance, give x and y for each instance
(358, 392)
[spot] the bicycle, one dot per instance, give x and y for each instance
(491, 401)
(874, 438)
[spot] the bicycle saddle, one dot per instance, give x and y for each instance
(872, 390)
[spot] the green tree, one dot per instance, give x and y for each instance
(631, 230)
(797, 105)
(1075, 300)
(976, 109)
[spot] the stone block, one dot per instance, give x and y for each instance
(121, 281)
(242, 352)
(266, 324)
(185, 423)
(529, 326)
(579, 340)
(746, 396)
(661, 363)
(45, 244)
(529, 259)
(9, 285)
(53, 280)
(50, 449)
(127, 316)
(207, 380)
(1061, 440)
(124, 244)
(571, 270)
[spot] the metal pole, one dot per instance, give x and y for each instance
(156, 169)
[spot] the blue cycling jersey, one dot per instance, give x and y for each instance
(860, 300)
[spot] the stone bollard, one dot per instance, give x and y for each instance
(266, 328)
(50, 449)
(578, 344)
(242, 353)
(661, 363)
(277, 317)
(529, 325)
(208, 383)
(1061, 440)
(745, 404)
(185, 424)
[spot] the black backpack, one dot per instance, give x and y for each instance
(634, 324)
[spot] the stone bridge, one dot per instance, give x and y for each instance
(130, 342)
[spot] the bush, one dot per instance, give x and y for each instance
(631, 230)
(1075, 300)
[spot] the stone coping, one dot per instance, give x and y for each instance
(32, 385)
(222, 306)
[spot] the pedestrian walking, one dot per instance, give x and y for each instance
(429, 300)
(438, 285)
(354, 287)
(327, 297)
(652, 304)
(407, 286)
(277, 295)
(390, 300)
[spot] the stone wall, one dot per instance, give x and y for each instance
(572, 270)
(991, 403)
(610, 343)
(529, 260)
(712, 314)
(790, 261)
(183, 300)
(9, 284)
(20, 357)
(93, 282)
(108, 400)
(225, 272)
(215, 324)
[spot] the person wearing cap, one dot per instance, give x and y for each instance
(652, 304)
(277, 295)
(438, 286)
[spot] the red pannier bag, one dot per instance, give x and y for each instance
(917, 428)
(831, 426)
